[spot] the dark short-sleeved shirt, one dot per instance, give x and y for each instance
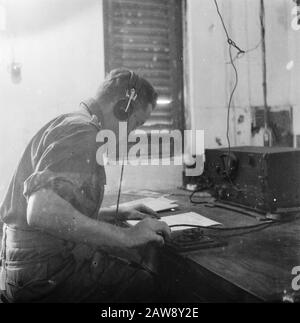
(60, 157)
(40, 267)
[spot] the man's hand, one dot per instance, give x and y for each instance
(48, 212)
(136, 212)
(146, 231)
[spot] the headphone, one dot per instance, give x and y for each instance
(125, 106)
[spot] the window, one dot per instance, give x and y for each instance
(146, 37)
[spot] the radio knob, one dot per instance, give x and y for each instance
(222, 193)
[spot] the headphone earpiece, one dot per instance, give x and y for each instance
(120, 110)
(125, 106)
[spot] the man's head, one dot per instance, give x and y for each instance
(124, 96)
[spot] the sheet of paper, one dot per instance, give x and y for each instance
(156, 204)
(184, 218)
(160, 205)
(146, 193)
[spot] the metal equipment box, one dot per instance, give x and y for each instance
(265, 179)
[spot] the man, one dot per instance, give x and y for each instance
(58, 245)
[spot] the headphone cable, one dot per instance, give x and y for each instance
(85, 106)
(120, 186)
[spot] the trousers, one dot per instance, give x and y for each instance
(41, 268)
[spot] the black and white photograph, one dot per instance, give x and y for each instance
(150, 154)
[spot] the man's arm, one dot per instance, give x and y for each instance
(136, 212)
(48, 211)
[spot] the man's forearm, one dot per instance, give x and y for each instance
(109, 214)
(48, 211)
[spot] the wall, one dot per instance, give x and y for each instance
(212, 78)
(60, 47)
(283, 59)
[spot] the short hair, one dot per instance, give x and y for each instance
(116, 83)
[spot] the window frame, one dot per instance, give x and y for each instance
(177, 71)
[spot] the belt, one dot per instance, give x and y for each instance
(27, 246)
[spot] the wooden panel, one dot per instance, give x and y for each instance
(145, 36)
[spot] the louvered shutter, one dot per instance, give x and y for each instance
(146, 37)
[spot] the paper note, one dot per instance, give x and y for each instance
(155, 204)
(147, 193)
(184, 218)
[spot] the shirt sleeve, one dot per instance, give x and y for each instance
(65, 162)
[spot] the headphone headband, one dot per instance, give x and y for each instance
(133, 81)
(133, 78)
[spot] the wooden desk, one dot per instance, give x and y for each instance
(256, 264)
(253, 267)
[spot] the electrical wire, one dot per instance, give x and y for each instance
(230, 101)
(265, 223)
(231, 44)
(240, 51)
(85, 106)
(229, 40)
(241, 54)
